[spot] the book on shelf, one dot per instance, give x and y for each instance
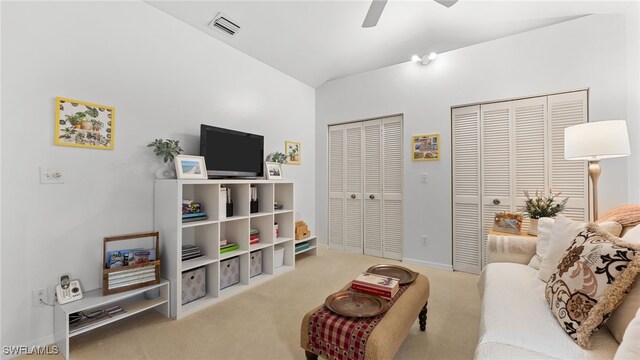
(194, 219)
(186, 216)
(383, 285)
(223, 242)
(254, 232)
(254, 237)
(231, 248)
(254, 241)
(229, 244)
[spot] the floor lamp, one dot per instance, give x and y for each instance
(593, 142)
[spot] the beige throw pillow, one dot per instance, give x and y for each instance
(623, 315)
(590, 281)
(545, 225)
(563, 231)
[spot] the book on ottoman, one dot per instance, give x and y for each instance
(374, 284)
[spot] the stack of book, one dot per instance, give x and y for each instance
(226, 246)
(192, 211)
(383, 286)
(190, 252)
(254, 236)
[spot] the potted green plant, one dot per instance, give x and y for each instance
(277, 157)
(97, 124)
(542, 205)
(166, 149)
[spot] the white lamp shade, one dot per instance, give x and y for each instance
(596, 140)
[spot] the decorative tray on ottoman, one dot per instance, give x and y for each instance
(403, 274)
(356, 304)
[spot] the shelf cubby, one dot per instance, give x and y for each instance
(285, 225)
(283, 195)
(265, 198)
(241, 197)
(206, 237)
(236, 232)
(207, 195)
(264, 225)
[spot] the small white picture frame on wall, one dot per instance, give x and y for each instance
(274, 171)
(190, 167)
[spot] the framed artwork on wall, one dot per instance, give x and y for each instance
(190, 167)
(274, 171)
(425, 147)
(292, 150)
(84, 124)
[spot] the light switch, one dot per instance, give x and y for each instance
(424, 178)
(51, 175)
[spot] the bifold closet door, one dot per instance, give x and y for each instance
(353, 185)
(568, 176)
(372, 131)
(530, 136)
(466, 189)
(496, 135)
(336, 187)
(392, 188)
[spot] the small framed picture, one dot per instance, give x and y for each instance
(190, 167)
(292, 150)
(84, 124)
(274, 171)
(425, 147)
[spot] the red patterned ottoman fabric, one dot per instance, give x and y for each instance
(338, 337)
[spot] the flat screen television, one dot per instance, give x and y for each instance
(230, 153)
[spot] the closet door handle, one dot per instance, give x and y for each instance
(372, 196)
(496, 201)
(353, 196)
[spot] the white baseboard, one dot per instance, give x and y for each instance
(324, 246)
(428, 264)
(42, 342)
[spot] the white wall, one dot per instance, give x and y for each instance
(633, 92)
(587, 52)
(164, 78)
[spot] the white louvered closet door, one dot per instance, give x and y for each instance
(353, 187)
(392, 188)
(336, 187)
(531, 174)
(372, 187)
(568, 177)
(466, 189)
(496, 164)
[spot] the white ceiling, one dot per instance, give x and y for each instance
(316, 41)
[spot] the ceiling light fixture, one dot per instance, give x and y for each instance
(424, 60)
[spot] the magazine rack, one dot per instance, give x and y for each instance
(137, 275)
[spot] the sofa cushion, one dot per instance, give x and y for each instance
(621, 317)
(515, 313)
(590, 281)
(545, 225)
(564, 230)
(630, 347)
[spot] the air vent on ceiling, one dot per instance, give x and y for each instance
(222, 23)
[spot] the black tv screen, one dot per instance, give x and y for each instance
(230, 153)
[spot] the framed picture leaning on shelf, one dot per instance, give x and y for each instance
(190, 167)
(274, 171)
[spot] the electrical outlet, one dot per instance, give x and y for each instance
(425, 239)
(51, 175)
(40, 297)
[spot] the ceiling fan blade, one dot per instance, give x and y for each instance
(373, 15)
(447, 3)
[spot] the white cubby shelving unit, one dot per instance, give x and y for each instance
(313, 245)
(207, 234)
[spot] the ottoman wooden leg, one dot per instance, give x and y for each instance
(310, 355)
(423, 317)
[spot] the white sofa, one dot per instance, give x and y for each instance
(516, 322)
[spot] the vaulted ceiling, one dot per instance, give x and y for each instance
(316, 41)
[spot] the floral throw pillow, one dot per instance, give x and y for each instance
(590, 281)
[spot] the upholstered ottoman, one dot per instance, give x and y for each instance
(390, 331)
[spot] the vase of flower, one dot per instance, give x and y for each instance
(542, 205)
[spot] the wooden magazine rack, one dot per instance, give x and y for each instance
(131, 272)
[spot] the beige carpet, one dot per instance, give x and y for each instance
(264, 322)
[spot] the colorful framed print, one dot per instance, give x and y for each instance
(425, 147)
(274, 171)
(84, 124)
(190, 167)
(292, 149)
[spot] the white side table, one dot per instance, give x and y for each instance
(515, 248)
